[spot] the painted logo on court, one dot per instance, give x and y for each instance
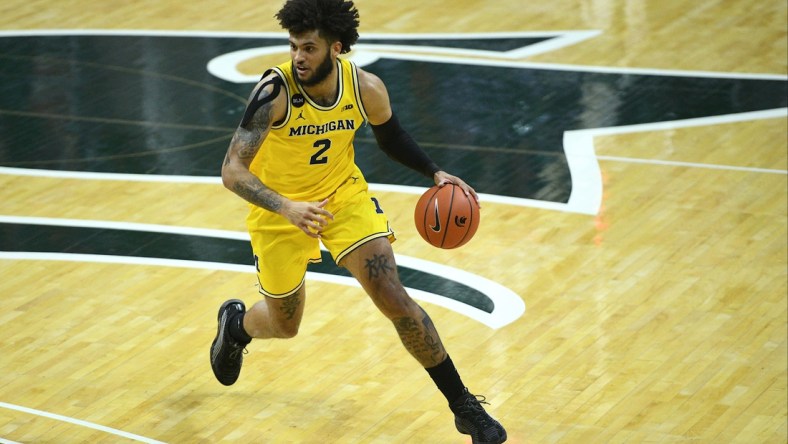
(534, 147)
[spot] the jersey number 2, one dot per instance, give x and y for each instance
(322, 146)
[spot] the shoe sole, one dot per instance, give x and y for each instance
(464, 431)
(219, 331)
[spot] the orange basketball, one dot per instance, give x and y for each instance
(446, 217)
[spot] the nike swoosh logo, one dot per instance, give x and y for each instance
(437, 226)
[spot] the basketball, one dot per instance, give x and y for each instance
(445, 217)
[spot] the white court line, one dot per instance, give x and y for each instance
(211, 180)
(283, 34)
(131, 226)
(582, 141)
(507, 305)
(82, 175)
(79, 422)
(586, 194)
(225, 66)
(692, 165)
(581, 157)
(559, 39)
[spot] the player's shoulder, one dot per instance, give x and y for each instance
(374, 96)
(369, 81)
(268, 92)
(271, 81)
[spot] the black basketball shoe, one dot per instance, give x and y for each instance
(471, 419)
(226, 353)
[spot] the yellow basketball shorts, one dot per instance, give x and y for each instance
(282, 251)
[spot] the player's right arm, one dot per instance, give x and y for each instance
(245, 144)
(266, 105)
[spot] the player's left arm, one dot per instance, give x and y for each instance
(394, 140)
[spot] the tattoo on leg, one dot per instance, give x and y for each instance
(379, 264)
(290, 306)
(421, 339)
(431, 339)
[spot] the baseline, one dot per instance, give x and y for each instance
(79, 422)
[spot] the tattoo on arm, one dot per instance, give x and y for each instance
(257, 193)
(245, 145)
(248, 139)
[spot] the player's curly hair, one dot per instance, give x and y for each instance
(335, 20)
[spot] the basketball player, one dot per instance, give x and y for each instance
(291, 158)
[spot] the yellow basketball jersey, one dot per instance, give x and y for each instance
(309, 154)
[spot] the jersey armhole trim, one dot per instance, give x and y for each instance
(287, 91)
(357, 91)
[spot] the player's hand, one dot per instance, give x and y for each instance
(442, 178)
(310, 217)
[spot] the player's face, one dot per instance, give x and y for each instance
(312, 58)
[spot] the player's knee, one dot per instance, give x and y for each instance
(397, 304)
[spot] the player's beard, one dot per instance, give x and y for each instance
(321, 71)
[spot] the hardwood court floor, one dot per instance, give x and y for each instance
(661, 317)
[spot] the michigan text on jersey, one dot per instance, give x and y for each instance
(336, 125)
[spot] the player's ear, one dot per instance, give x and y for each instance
(336, 48)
